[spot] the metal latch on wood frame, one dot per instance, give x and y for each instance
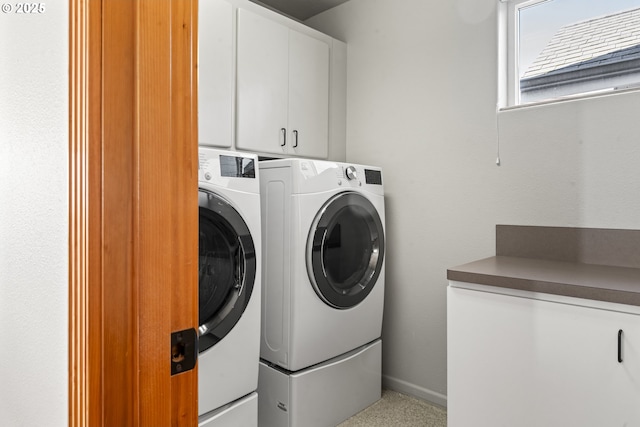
(184, 350)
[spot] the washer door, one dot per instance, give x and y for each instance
(226, 268)
(345, 250)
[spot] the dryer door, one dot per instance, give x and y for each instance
(226, 268)
(345, 250)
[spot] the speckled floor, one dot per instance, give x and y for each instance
(396, 409)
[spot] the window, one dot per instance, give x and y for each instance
(553, 49)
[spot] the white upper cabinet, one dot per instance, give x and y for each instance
(282, 89)
(308, 95)
(216, 77)
(268, 84)
(263, 81)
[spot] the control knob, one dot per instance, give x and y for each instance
(351, 173)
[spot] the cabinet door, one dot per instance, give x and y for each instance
(308, 96)
(215, 73)
(518, 361)
(262, 83)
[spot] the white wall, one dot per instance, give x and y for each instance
(33, 216)
(421, 97)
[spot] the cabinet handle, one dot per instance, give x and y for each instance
(295, 139)
(284, 137)
(620, 346)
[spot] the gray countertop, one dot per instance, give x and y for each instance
(590, 281)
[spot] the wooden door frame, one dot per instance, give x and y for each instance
(132, 210)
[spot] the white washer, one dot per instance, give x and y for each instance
(229, 275)
(323, 281)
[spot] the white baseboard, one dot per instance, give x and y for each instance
(414, 390)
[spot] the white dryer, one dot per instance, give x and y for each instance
(229, 275)
(323, 290)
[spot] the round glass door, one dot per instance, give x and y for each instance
(226, 268)
(345, 250)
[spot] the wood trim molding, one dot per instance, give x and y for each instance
(132, 210)
(85, 286)
(166, 204)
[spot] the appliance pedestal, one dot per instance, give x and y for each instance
(242, 412)
(321, 395)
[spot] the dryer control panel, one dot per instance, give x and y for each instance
(371, 176)
(312, 176)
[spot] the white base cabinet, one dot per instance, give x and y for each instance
(534, 360)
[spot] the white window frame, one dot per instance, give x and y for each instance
(508, 59)
(508, 49)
